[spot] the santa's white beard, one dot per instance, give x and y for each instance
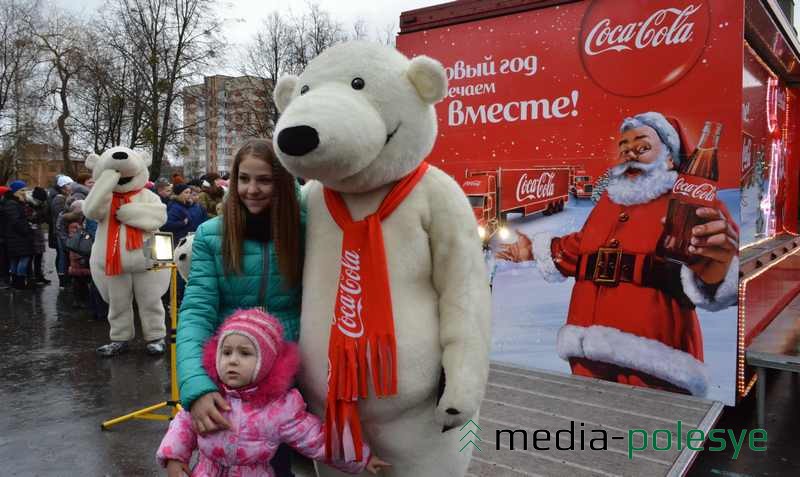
(641, 189)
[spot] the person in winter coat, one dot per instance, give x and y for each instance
(5, 278)
(164, 190)
(18, 233)
(79, 272)
(38, 215)
(58, 202)
(79, 190)
(211, 195)
(254, 368)
(250, 256)
(183, 216)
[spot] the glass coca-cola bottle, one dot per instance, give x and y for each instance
(695, 187)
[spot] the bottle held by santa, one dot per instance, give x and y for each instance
(695, 187)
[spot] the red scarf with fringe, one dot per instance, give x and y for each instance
(362, 331)
(133, 236)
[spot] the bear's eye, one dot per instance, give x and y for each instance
(304, 89)
(357, 83)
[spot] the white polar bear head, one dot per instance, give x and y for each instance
(183, 256)
(360, 116)
(131, 165)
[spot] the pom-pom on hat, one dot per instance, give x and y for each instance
(277, 360)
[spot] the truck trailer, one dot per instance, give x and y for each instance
(493, 194)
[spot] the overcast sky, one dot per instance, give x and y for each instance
(244, 16)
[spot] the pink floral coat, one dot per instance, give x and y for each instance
(256, 431)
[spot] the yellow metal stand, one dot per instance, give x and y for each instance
(148, 413)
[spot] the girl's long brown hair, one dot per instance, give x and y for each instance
(284, 210)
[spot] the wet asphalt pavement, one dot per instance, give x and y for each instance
(55, 392)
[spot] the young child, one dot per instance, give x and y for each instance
(254, 368)
(78, 265)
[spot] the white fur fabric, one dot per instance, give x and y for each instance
(727, 294)
(612, 346)
(441, 302)
(544, 258)
(144, 212)
(367, 137)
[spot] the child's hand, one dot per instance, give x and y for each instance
(375, 464)
(175, 467)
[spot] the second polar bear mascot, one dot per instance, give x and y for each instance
(126, 213)
(396, 302)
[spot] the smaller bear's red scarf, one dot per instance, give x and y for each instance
(133, 236)
(362, 332)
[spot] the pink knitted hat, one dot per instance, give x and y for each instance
(264, 331)
(277, 360)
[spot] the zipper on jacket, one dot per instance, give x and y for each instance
(262, 292)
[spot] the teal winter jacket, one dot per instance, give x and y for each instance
(211, 296)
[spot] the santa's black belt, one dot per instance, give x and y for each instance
(611, 266)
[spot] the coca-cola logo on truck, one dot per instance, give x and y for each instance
(540, 188)
(642, 47)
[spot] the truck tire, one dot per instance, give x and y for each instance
(548, 210)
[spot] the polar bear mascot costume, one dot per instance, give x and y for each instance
(182, 257)
(127, 214)
(394, 332)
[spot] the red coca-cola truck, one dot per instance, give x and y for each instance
(580, 183)
(496, 193)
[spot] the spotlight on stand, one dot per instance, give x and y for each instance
(159, 248)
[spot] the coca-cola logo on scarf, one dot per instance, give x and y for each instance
(542, 187)
(348, 309)
(639, 48)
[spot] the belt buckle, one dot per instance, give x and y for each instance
(607, 266)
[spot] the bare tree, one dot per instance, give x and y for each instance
(266, 59)
(285, 44)
(109, 98)
(386, 35)
(359, 30)
(59, 39)
(323, 31)
(18, 57)
(166, 42)
(313, 31)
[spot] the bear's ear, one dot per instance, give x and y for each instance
(91, 161)
(428, 77)
(283, 91)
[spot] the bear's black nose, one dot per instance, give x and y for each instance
(298, 140)
(120, 155)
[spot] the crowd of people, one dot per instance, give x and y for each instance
(33, 218)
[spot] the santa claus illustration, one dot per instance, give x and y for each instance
(635, 322)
